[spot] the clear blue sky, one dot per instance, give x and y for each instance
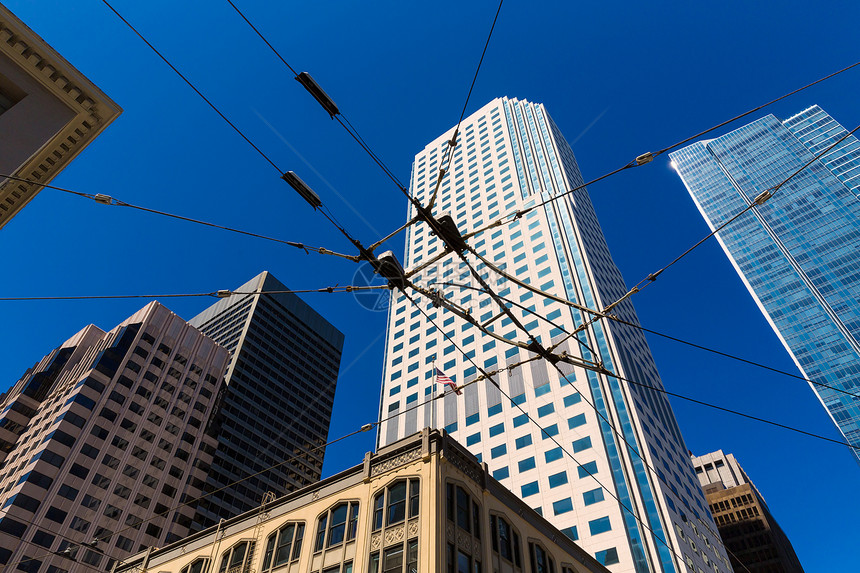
(641, 75)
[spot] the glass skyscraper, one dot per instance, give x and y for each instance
(626, 491)
(798, 252)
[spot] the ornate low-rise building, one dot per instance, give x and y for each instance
(422, 504)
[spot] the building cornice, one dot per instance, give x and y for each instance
(93, 111)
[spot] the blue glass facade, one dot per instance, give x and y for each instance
(797, 253)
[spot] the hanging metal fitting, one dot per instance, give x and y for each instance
(644, 158)
(765, 195)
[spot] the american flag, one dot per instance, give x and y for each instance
(442, 379)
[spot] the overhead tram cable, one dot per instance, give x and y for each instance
(111, 201)
(193, 87)
(681, 396)
(619, 320)
(327, 103)
(224, 293)
(759, 200)
(607, 421)
(288, 176)
(648, 157)
(364, 428)
(489, 378)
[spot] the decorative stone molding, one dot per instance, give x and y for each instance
(395, 462)
(93, 111)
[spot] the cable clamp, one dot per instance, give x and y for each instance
(103, 199)
(366, 428)
(644, 158)
(223, 293)
(765, 195)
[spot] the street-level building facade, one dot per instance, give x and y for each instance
(755, 541)
(49, 112)
(276, 406)
(102, 440)
(420, 505)
(601, 458)
(797, 253)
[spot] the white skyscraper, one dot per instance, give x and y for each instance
(617, 487)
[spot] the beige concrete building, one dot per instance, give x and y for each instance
(101, 440)
(49, 112)
(421, 504)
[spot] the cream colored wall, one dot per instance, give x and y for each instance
(359, 549)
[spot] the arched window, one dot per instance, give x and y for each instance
(462, 510)
(505, 540)
(541, 559)
(395, 507)
(337, 525)
(237, 559)
(283, 546)
(200, 565)
(395, 503)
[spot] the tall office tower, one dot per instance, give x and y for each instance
(575, 468)
(98, 441)
(277, 400)
(49, 112)
(749, 531)
(796, 253)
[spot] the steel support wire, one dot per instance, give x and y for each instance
(612, 426)
(214, 294)
(596, 365)
(364, 428)
(345, 123)
(193, 87)
(648, 157)
(760, 200)
(544, 434)
(630, 447)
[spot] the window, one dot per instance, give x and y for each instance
(337, 525)
(582, 444)
(588, 469)
(562, 506)
(390, 505)
(541, 560)
(505, 540)
(607, 556)
(558, 479)
(237, 558)
(593, 496)
(466, 513)
(529, 489)
(526, 464)
(393, 559)
(283, 546)
(599, 525)
(553, 455)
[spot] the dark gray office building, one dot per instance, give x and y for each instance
(277, 402)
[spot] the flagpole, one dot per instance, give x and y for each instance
(433, 404)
